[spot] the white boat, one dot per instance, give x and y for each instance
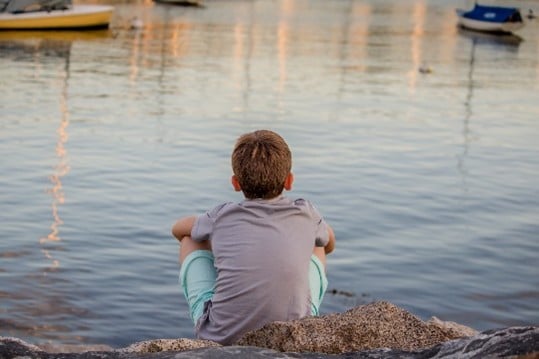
(495, 19)
(45, 14)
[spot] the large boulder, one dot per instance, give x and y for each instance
(375, 325)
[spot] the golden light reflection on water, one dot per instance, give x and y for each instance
(133, 59)
(178, 39)
(283, 33)
(172, 40)
(283, 37)
(359, 32)
(61, 169)
(418, 15)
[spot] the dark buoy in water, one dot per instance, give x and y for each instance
(425, 69)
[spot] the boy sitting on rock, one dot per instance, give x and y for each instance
(247, 264)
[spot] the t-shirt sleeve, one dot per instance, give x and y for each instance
(322, 234)
(203, 226)
(321, 229)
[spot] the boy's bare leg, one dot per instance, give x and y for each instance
(187, 246)
(321, 254)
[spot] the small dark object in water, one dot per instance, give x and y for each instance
(342, 292)
(425, 69)
(531, 15)
(186, 3)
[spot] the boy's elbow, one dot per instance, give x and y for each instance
(183, 227)
(175, 231)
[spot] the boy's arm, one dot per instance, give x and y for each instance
(183, 227)
(331, 243)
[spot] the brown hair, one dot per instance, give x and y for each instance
(261, 161)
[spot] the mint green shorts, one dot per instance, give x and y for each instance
(198, 276)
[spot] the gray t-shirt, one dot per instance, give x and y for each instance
(262, 251)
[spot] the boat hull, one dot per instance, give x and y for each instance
(494, 19)
(194, 3)
(77, 17)
(485, 26)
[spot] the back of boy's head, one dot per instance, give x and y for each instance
(261, 161)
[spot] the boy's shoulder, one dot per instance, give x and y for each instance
(220, 208)
(296, 210)
(260, 204)
(307, 205)
(282, 203)
(279, 201)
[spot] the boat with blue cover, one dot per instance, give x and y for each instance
(488, 18)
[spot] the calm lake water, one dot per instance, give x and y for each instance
(429, 178)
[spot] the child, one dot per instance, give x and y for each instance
(247, 264)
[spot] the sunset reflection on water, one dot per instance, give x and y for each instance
(60, 170)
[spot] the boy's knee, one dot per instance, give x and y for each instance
(320, 253)
(188, 246)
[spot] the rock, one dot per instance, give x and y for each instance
(14, 347)
(161, 345)
(73, 348)
(378, 330)
(515, 342)
(521, 342)
(375, 325)
(459, 329)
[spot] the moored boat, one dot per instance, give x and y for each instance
(194, 3)
(487, 18)
(43, 15)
